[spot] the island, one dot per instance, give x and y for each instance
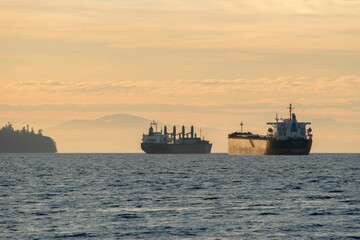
(25, 141)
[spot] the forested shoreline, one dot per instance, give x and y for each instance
(25, 141)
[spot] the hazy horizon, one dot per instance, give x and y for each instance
(211, 64)
(122, 133)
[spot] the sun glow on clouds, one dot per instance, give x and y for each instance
(308, 90)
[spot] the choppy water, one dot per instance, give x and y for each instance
(126, 196)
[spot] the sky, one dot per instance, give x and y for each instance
(210, 63)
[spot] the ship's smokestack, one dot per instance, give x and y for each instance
(183, 132)
(192, 131)
(165, 130)
(174, 133)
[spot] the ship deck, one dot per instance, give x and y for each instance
(247, 135)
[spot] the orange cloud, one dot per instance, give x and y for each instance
(308, 90)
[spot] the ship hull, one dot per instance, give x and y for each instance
(264, 146)
(289, 147)
(160, 148)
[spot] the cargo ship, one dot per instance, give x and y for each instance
(284, 137)
(156, 142)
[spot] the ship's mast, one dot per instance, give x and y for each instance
(290, 109)
(154, 123)
(241, 124)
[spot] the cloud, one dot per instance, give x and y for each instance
(266, 24)
(334, 85)
(289, 7)
(307, 90)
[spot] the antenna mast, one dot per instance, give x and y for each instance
(155, 124)
(290, 109)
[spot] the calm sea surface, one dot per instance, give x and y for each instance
(127, 196)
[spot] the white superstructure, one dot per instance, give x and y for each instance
(289, 128)
(155, 136)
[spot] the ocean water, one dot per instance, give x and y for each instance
(138, 196)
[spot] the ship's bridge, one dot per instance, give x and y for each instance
(156, 137)
(289, 128)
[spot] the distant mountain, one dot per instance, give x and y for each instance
(110, 120)
(115, 133)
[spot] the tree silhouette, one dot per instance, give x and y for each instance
(25, 141)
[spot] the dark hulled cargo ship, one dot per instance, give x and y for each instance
(172, 143)
(285, 137)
